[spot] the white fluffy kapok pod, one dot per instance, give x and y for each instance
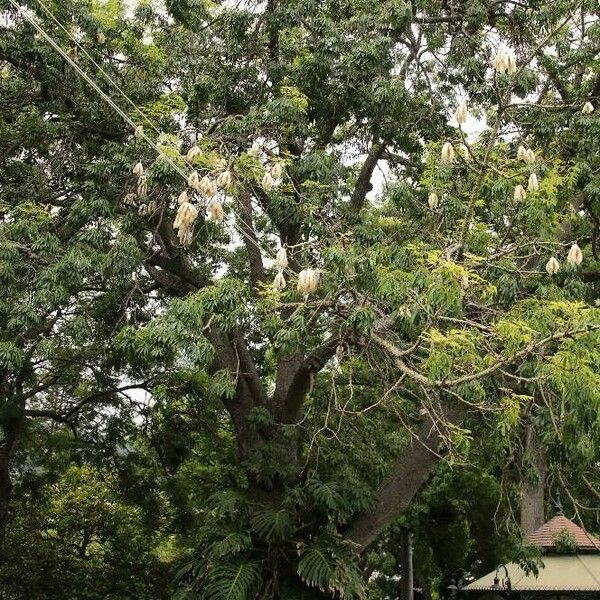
(279, 282)
(183, 197)
(142, 188)
(130, 198)
(552, 266)
(433, 200)
(277, 170)
(205, 185)
(185, 237)
(193, 152)
(522, 153)
(588, 108)
(267, 181)
(282, 259)
(138, 169)
(193, 180)
(500, 62)
(462, 113)
(254, 149)
(575, 256)
(533, 185)
(519, 193)
(529, 156)
(187, 213)
(447, 153)
(216, 212)
(308, 281)
(142, 210)
(100, 37)
(139, 132)
(511, 62)
(224, 179)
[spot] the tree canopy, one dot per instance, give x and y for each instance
(280, 279)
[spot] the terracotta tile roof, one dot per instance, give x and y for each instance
(545, 536)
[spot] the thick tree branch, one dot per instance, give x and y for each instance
(404, 480)
(363, 183)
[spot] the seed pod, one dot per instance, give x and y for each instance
(187, 213)
(216, 212)
(194, 181)
(500, 61)
(277, 170)
(308, 281)
(211, 190)
(511, 62)
(139, 132)
(152, 206)
(142, 209)
(522, 153)
(130, 198)
(533, 185)
(255, 149)
(185, 237)
(267, 181)
(575, 256)
(100, 37)
(183, 197)
(519, 193)
(138, 169)
(193, 152)
(462, 113)
(433, 201)
(448, 153)
(588, 108)
(530, 156)
(279, 282)
(142, 188)
(552, 266)
(224, 179)
(282, 259)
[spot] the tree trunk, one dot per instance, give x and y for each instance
(6, 447)
(406, 583)
(532, 493)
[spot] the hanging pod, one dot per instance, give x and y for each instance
(448, 154)
(193, 181)
(138, 169)
(588, 108)
(575, 256)
(281, 258)
(267, 181)
(552, 266)
(308, 281)
(519, 193)
(462, 113)
(533, 185)
(277, 170)
(433, 200)
(279, 282)
(224, 179)
(216, 212)
(193, 152)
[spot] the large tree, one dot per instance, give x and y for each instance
(440, 272)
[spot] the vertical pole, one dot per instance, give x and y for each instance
(406, 582)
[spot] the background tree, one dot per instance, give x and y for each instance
(285, 429)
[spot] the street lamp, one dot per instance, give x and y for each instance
(504, 584)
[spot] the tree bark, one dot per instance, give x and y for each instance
(532, 493)
(411, 470)
(6, 451)
(407, 582)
